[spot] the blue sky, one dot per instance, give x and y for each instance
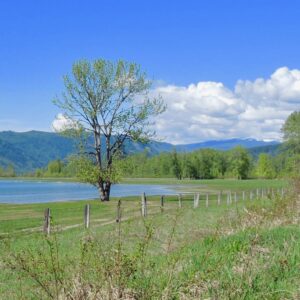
(178, 43)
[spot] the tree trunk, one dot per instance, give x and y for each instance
(104, 190)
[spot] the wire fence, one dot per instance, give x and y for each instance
(153, 205)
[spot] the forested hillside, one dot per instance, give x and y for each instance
(28, 151)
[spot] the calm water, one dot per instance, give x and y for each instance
(23, 191)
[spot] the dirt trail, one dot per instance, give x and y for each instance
(94, 224)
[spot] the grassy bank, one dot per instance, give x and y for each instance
(246, 250)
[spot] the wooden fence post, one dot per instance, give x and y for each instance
(87, 216)
(262, 193)
(243, 195)
(257, 193)
(196, 200)
(119, 212)
(206, 199)
(230, 197)
(144, 205)
(162, 199)
(47, 221)
(219, 198)
(227, 199)
(179, 201)
(235, 197)
(251, 195)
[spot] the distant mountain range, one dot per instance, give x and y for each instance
(34, 149)
(225, 144)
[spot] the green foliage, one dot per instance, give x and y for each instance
(9, 171)
(264, 167)
(55, 167)
(200, 164)
(86, 170)
(176, 167)
(291, 131)
(239, 162)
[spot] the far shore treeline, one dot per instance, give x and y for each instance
(236, 163)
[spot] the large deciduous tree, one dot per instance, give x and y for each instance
(265, 167)
(291, 136)
(110, 101)
(176, 167)
(291, 132)
(239, 162)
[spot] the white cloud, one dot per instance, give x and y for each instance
(209, 110)
(282, 86)
(62, 122)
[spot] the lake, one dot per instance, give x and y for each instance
(26, 191)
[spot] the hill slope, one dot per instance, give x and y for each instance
(34, 149)
(225, 144)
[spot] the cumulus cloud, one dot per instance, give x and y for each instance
(62, 122)
(210, 110)
(283, 86)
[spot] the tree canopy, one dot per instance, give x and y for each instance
(291, 132)
(291, 136)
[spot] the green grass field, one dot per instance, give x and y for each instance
(245, 250)
(24, 216)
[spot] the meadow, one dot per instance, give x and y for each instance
(30, 216)
(245, 250)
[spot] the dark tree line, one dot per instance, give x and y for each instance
(200, 164)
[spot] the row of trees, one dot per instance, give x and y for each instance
(208, 164)
(201, 164)
(55, 168)
(8, 171)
